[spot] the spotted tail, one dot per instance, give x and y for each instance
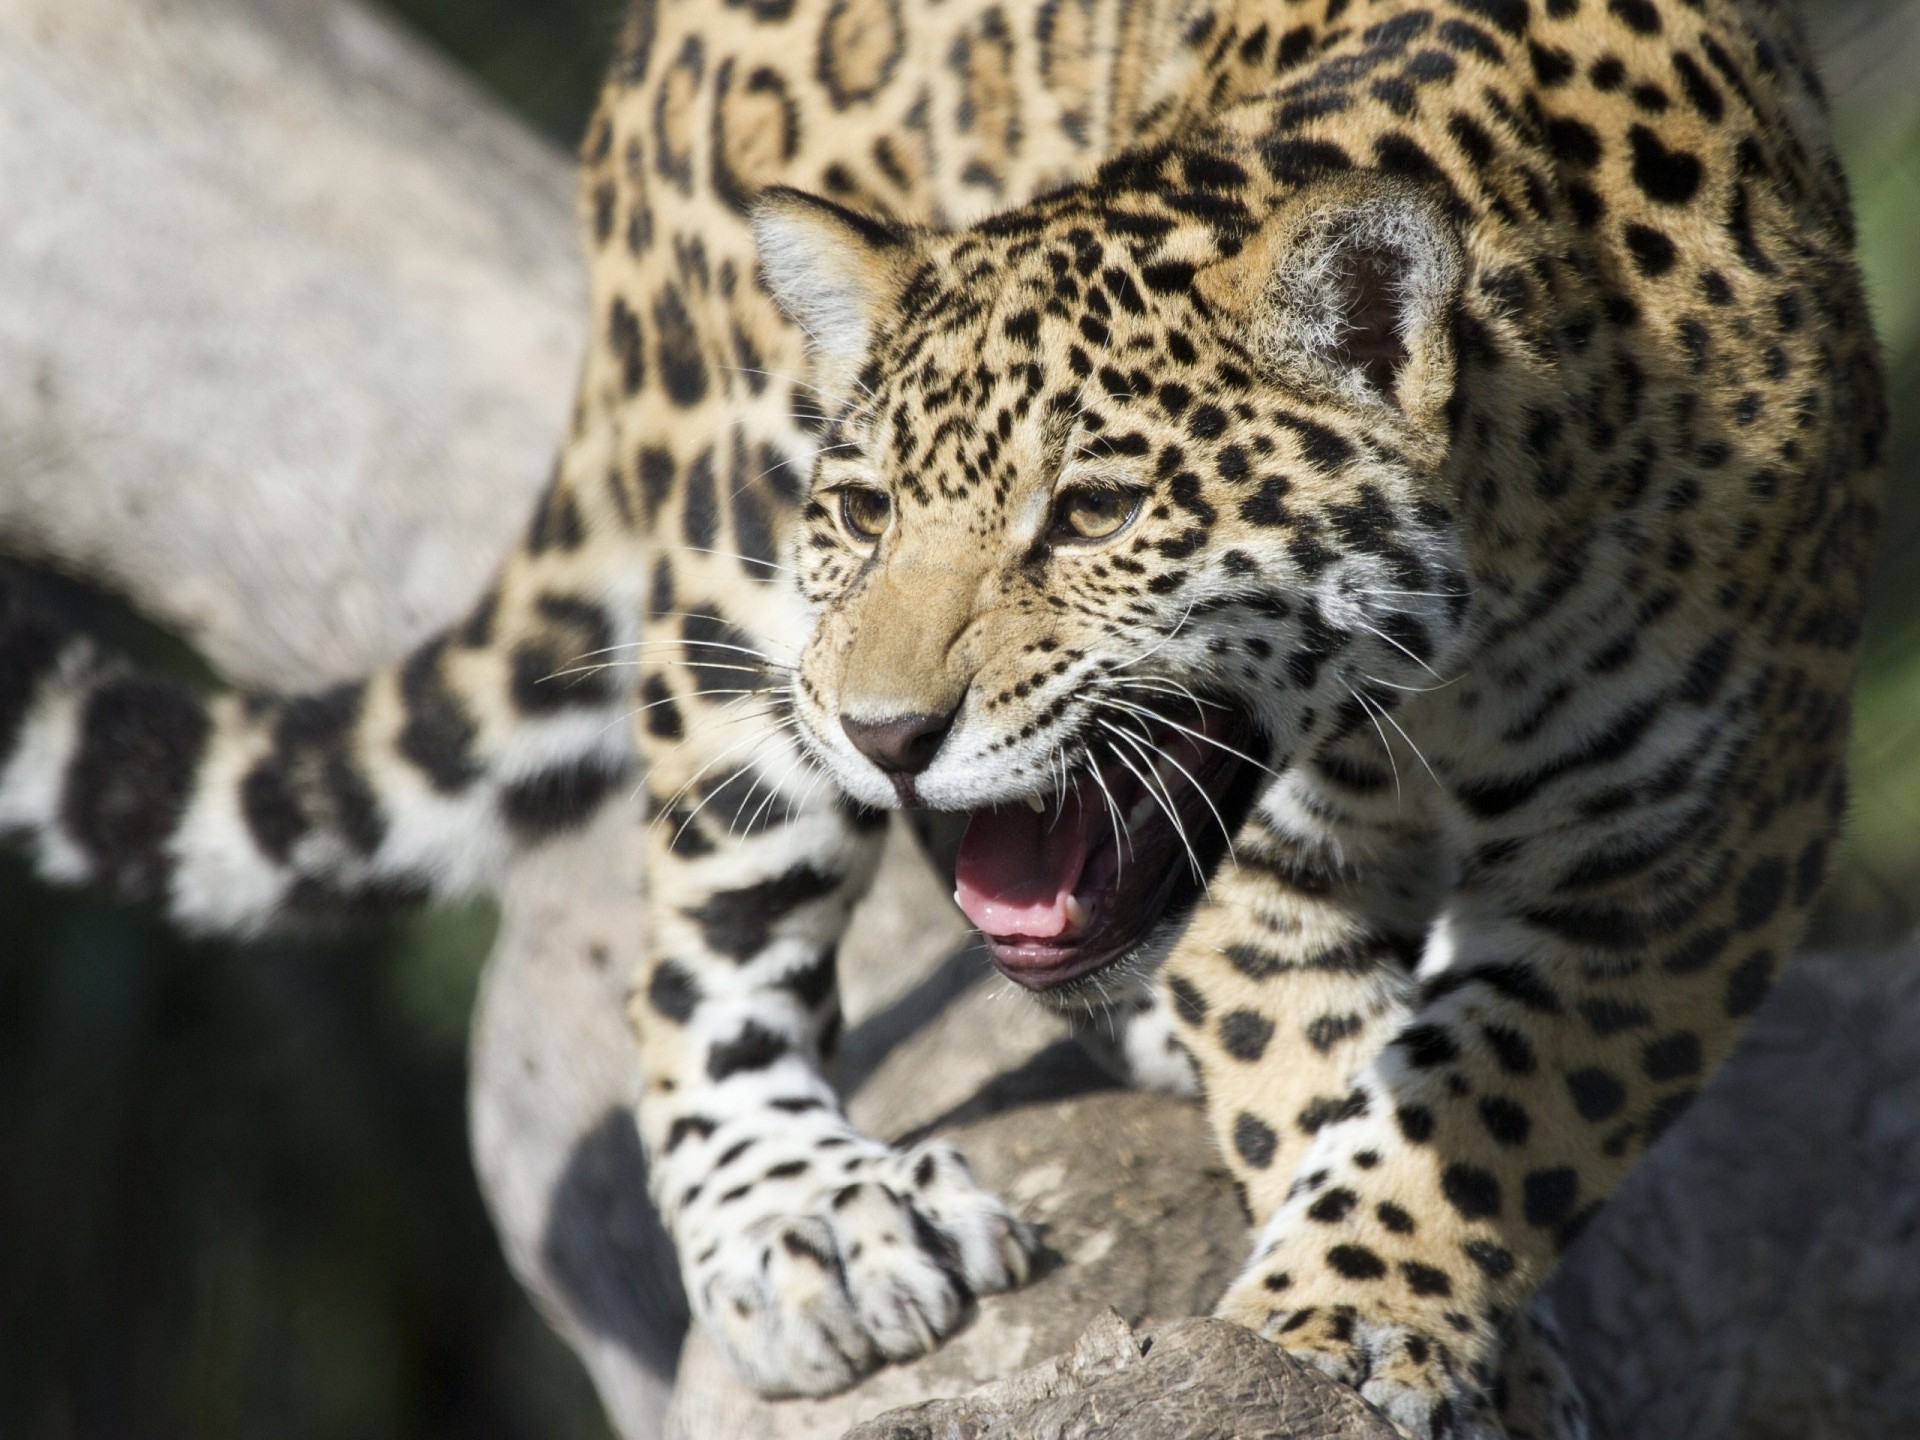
(237, 811)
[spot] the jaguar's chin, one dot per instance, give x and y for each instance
(1065, 885)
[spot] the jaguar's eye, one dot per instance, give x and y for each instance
(1093, 514)
(865, 511)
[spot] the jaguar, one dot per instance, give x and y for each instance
(1363, 506)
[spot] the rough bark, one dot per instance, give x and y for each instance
(1191, 1380)
(289, 315)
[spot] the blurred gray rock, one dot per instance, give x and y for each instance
(290, 316)
(1759, 1275)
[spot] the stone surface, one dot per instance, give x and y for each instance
(550, 1116)
(1190, 1380)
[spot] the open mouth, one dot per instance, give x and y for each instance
(1063, 886)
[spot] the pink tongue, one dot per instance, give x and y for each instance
(1016, 868)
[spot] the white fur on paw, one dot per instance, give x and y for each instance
(1421, 1415)
(879, 1267)
(1419, 1412)
(1543, 1401)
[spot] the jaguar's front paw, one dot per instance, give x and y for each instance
(821, 1283)
(1427, 1384)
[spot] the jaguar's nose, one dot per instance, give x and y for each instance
(900, 744)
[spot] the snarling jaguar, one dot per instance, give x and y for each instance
(1362, 504)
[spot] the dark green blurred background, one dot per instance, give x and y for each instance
(235, 1199)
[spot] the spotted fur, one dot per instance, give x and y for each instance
(1497, 389)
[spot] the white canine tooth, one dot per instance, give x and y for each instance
(1077, 913)
(956, 897)
(1142, 810)
(1036, 804)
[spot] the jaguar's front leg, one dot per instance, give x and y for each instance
(1469, 1152)
(1566, 1014)
(810, 1252)
(1288, 987)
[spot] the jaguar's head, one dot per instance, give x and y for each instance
(1120, 513)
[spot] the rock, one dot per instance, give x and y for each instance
(290, 319)
(1758, 1275)
(1190, 1380)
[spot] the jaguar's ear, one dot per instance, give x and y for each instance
(834, 271)
(1354, 284)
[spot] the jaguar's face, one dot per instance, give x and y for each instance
(1091, 562)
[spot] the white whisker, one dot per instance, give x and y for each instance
(640, 710)
(1164, 801)
(775, 791)
(1401, 648)
(1387, 715)
(664, 643)
(1160, 685)
(1154, 715)
(1163, 642)
(775, 375)
(1361, 702)
(694, 779)
(1113, 813)
(733, 554)
(1411, 689)
(1167, 755)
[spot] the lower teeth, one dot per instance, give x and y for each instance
(1077, 913)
